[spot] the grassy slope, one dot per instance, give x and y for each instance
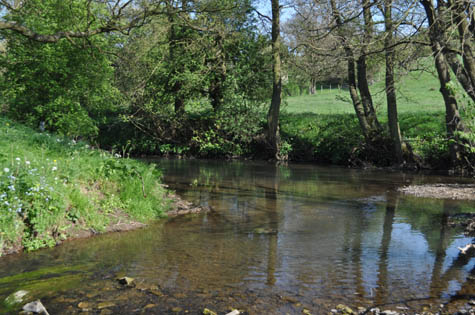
(324, 127)
(417, 92)
(51, 187)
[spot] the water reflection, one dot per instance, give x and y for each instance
(279, 239)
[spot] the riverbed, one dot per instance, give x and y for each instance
(278, 239)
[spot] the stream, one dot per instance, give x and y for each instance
(279, 240)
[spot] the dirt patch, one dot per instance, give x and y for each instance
(120, 221)
(441, 191)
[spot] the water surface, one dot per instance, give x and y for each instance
(280, 239)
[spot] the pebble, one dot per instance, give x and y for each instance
(149, 306)
(84, 305)
(105, 305)
(35, 307)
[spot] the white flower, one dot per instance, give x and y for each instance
(6, 170)
(27, 162)
(18, 159)
(54, 168)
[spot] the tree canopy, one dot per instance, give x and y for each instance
(207, 77)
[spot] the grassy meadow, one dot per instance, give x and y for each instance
(323, 127)
(417, 92)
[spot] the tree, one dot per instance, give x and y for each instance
(66, 84)
(460, 146)
(96, 18)
(217, 66)
(390, 56)
(357, 78)
(273, 137)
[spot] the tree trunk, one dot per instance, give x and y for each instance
(216, 86)
(462, 75)
(358, 106)
(453, 120)
(273, 138)
(363, 85)
(393, 121)
(176, 66)
(458, 9)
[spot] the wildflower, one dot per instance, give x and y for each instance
(27, 162)
(11, 187)
(54, 168)
(18, 159)
(6, 170)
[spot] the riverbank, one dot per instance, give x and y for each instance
(54, 189)
(441, 191)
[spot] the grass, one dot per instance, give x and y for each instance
(51, 186)
(323, 127)
(417, 92)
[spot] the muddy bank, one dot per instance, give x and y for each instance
(121, 221)
(441, 191)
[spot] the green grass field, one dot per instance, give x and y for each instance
(417, 92)
(323, 127)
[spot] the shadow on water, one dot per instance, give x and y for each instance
(281, 239)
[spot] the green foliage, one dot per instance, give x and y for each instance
(325, 138)
(49, 184)
(67, 85)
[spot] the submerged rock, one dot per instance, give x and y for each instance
(208, 312)
(36, 307)
(345, 309)
(84, 305)
(16, 298)
(105, 305)
(126, 281)
(264, 231)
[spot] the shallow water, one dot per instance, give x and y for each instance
(280, 239)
